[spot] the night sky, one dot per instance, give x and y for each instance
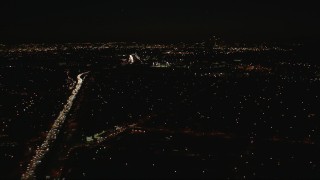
(157, 21)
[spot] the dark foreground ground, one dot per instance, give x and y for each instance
(207, 114)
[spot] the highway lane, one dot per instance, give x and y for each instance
(53, 132)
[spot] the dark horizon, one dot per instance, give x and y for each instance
(141, 21)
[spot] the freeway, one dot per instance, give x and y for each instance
(53, 132)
